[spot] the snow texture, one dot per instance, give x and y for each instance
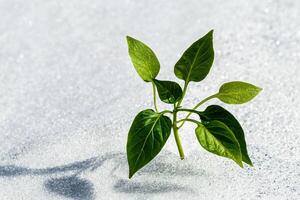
(68, 95)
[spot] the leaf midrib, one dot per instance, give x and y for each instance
(151, 130)
(194, 60)
(220, 143)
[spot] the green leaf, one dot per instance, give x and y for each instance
(237, 92)
(168, 91)
(215, 112)
(147, 136)
(217, 138)
(143, 58)
(197, 60)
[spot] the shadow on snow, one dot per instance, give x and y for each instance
(70, 185)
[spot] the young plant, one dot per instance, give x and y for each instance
(217, 129)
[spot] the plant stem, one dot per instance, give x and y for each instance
(183, 94)
(188, 120)
(188, 110)
(195, 107)
(176, 134)
(154, 96)
(175, 128)
(166, 111)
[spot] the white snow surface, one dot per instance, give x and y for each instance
(68, 95)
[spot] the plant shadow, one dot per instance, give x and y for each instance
(76, 167)
(162, 168)
(71, 187)
(145, 187)
(68, 183)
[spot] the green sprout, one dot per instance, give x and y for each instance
(217, 130)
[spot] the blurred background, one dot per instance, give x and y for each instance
(68, 95)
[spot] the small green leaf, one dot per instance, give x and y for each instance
(215, 112)
(147, 136)
(217, 138)
(143, 58)
(196, 61)
(168, 91)
(237, 92)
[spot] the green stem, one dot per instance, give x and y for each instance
(188, 120)
(195, 107)
(154, 96)
(166, 111)
(175, 128)
(183, 94)
(188, 110)
(176, 134)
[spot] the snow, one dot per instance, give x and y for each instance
(68, 94)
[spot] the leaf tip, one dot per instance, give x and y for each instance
(247, 160)
(130, 174)
(250, 163)
(240, 164)
(259, 89)
(210, 33)
(128, 38)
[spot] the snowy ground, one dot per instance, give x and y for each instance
(68, 94)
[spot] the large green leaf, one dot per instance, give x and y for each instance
(143, 58)
(197, 60)
(215, 112)
(217, 138)
(147, 136)
(237, 92)
(168, 91)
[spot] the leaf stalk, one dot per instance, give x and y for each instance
(154, 96)
(197, 106)
(183, 94)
